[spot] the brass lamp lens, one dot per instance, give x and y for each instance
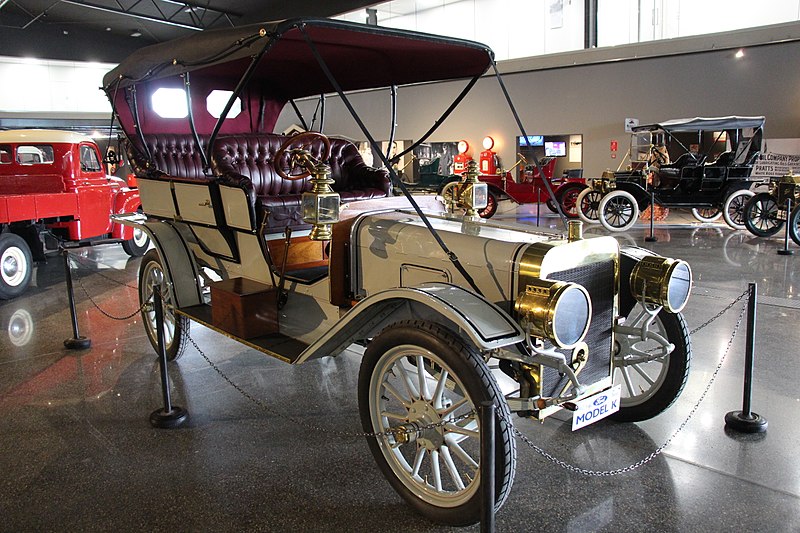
(555, 310)
(662, 281)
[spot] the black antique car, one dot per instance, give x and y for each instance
(713, 182)
(766, 212)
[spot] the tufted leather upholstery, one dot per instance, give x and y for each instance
(249, 157)
(175, 155)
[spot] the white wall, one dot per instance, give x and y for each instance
(594, 99)
(47, 86)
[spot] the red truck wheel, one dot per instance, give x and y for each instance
(15, 266)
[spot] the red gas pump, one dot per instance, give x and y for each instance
(461, 158)
(487, 164)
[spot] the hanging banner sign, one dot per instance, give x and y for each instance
(775, 165)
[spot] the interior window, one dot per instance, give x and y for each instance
(170, 103)
(216, 101)
(89, 161)
(34, 154)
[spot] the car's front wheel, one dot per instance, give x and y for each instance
(761, 215)
(491, 206)
(649, 385)
(568, 198)
(176, 327)
(419, 388)
(138, 245)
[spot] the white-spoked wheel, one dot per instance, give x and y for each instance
(176, 327)
(618, 211)
(706, 214)
(416, 375)
(588, 205)
(733, 210)
(649, 385)
(15, 265)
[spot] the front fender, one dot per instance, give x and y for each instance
(485, 324)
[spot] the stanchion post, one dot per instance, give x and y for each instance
(785, 250)
(538, 204)
(652, 237)
(170, 416)
(77, 342)
(486, 412)
(746, 421)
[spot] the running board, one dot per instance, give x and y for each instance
(277, 345)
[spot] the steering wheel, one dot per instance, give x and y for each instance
(297, 143)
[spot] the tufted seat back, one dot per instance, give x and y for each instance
(176, 155)
(252, 156)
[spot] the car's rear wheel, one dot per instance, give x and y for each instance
(138, 245)
(417, 374)
(176, 327)
(649, 387)
(706, 214)
(618, 211)
(761, 215)
(733, 210)
(588, 205)
(16, 265)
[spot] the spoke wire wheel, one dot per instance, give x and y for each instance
(706, 214)
(761, 215)
(416, 374)
(491, 206)
(588, 206)
(794, 225)
(618, 211)
(648, 388)
(176, 327)
(568, 198)
(15, 265)
(733, 210)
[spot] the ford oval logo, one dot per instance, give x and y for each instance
(600, 400)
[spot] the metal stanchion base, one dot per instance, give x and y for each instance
(783, 251)
(78, 343)
(652, 238)
(737, 421)
(168, 419)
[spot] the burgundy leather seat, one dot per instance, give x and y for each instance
(247, 161)
(173, 155)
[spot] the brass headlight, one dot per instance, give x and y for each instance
(558, 311)
(662, 281)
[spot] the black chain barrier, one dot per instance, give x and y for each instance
(91, 299)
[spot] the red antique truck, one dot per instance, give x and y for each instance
(54, 191)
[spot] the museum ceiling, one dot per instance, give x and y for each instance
(108, 30)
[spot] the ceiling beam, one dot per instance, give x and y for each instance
(199, 25)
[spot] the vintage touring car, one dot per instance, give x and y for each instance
(295, 247)
(706, 178)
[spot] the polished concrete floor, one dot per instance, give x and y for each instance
(78, 452)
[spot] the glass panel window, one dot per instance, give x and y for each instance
(89, 161)
(170, 103)
(217, 100)
(34, 154)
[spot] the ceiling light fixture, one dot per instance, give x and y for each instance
(136, 33)
(740, 53)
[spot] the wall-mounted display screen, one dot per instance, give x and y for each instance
(533, 140)
(555, 148)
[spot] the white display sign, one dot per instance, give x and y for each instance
(631, 123)
(596, 407)
(769, 165)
